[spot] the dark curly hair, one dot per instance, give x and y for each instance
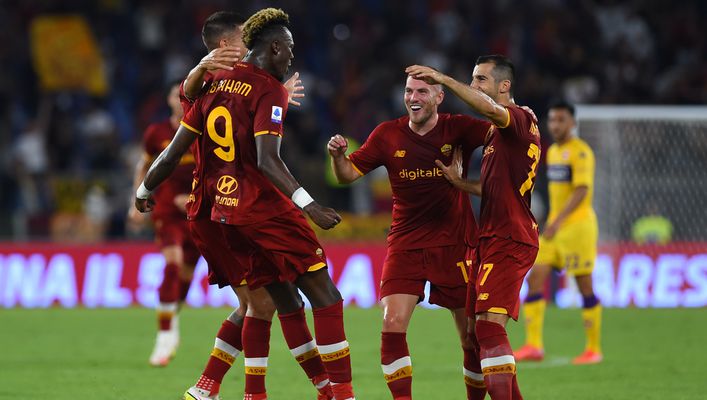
(257, 27)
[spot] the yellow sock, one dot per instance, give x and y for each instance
(534, 319)
(592, 327)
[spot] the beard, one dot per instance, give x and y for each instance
(420, 117)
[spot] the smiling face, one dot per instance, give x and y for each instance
(422, 100)
(483, 79)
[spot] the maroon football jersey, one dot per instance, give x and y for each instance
(238, 106)
(510, 159)
(427, 210)
(157, 137)
(197, 206)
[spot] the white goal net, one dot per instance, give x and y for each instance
(650, 160)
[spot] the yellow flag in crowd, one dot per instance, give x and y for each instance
(66, 56)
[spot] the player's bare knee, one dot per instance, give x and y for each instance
(261, 305)
(237, 315)
(500, 319)
(264, 311)
(319, 288)
(393, 322)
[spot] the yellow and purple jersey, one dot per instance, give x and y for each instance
(570, 165)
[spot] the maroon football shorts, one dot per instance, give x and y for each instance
(288, 243)
(445, 267)
(503, 264)
(229, 256)
(175, 232)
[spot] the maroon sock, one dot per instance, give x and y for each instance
(396, 364)
(304, 348)
(331, 340)
(256, 347)
(497, 362)
(168, 294)
(473, 378)
(169, 288)
(227, 347)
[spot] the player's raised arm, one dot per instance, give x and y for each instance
(343, 167)
(476, 99)
(162, 167)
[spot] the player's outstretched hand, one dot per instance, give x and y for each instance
(324, 217)
(427, 74)
(145, 205)
(295, 90)
(453, 172)
(337, 146)
(220, 58)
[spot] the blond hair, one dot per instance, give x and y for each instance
(260, 22)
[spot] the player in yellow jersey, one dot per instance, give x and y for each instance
(570, 237)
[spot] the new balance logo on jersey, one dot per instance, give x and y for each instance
(446, 149)
(227, 184)
(276, 115)
(483, 296)
(399, 154)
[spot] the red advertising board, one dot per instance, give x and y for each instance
(125, 274)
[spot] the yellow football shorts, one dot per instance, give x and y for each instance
(573, 247)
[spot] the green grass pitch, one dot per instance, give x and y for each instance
(102, 354)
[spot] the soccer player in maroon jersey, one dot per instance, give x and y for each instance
(171, 229)
(228, 263)
(433, 227)
(239, 121)
(508, 233)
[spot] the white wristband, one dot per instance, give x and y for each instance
(142, 192)
(301, 198)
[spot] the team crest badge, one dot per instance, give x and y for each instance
(446, 150)
(276, 115)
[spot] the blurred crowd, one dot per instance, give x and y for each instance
(67, 156)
